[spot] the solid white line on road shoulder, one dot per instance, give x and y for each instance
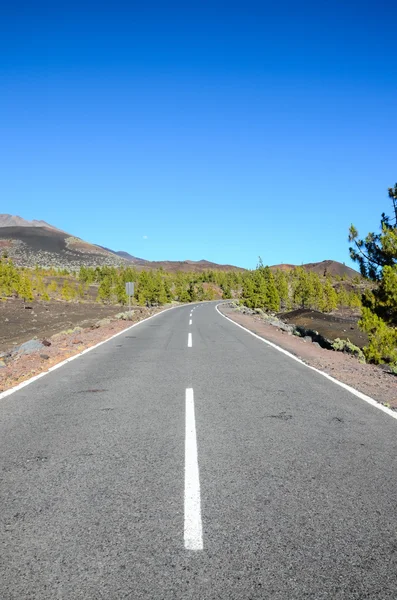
(193, 530)
(368, 399)
(190, 322)
(18, 387)
(189, 341)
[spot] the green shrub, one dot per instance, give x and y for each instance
(347, 346)
(382, 345)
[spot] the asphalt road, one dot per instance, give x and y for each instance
(151, 469)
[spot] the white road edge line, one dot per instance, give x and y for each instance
(189, 341)
(190, 322)
(350, 389)
(67, 360)
(193, 530)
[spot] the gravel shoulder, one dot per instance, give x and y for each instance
(60, 346)
(368, 379)
(20, 321)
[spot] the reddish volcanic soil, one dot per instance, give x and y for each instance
(20, 322)
(368, 379)
(64, 345)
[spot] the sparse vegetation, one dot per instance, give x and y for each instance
(107, 284)
(349, 348)
(261, 288)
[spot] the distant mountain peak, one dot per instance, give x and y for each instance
(37, 242)
(325, 267)
(17, 221)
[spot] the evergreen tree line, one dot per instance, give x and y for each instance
(14, 281)
(260, 288)
(152, 287)
(31, 283)
(286, 290)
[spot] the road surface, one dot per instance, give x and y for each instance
(187, 459)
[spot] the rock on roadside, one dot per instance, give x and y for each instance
(28, 347)
(125, 316)
(102, 323)
(308, 335)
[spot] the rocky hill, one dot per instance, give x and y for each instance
(46, 246)
(15, 221)
(127, 256)
(186, 266)
(30, 243)
(323, 268)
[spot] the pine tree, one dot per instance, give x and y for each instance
(167, 290)
(145, 288)
(343, 296)
(303, 288)
(259, 299)
(226, 291)
(105, 290)
(273, 298)
(141, 297)
(377, 250)
(354, 300)
(162, 293)
(330, 297)
(183, 295)
(281, 281)
(192, 292)
(52, 287)
(25, 289)
(318, 300)
(81, 291)
(121, 294)
(68, 292)
(247, 293)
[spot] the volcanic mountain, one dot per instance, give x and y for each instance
(187, 266)
(30, 243)
(323, 268)
(15, 221)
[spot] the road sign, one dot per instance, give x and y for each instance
(129, 288)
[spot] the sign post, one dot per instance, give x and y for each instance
(129, 290)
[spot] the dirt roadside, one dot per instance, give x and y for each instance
(58, 347)
(20, 321)
(368, 379)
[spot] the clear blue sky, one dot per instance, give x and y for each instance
(217, 130)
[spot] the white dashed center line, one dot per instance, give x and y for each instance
(190, 322)
(189, 341)
(193, 530)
